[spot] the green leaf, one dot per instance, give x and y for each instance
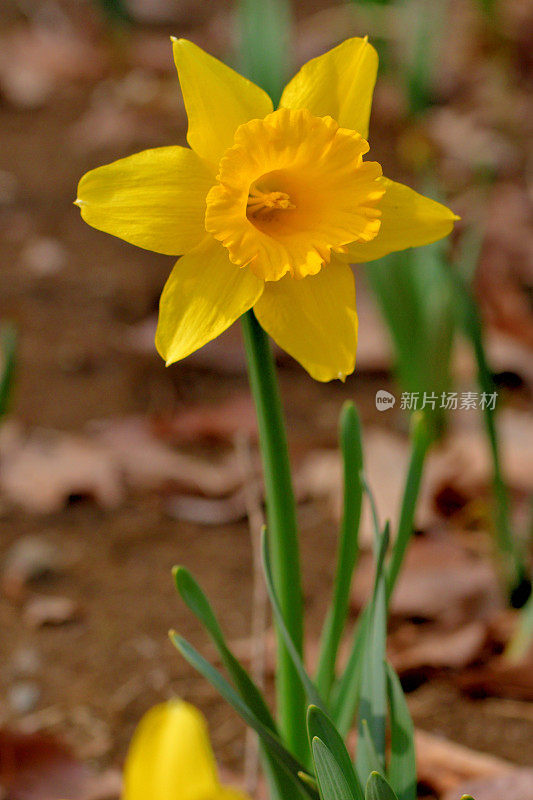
(421, 440)
(352, 452)
(346, 696)
(522, 638)
(414, 294)
(8, 346)
(320, 726)
(268, 738)
(471, 322)
(402, 762)
(331, 781)
(265, 44)
(308, 685)
(198, 603)
(372, 710)
(366, 753)
(377, 788)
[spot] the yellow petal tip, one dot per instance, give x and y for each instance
(78, 202)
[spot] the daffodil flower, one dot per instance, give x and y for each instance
(170, 757)
(267, 208)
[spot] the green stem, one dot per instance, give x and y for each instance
(282, 528)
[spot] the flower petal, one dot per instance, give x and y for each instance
(154, 199)
(170, 756)
(314, 319)
(408, 219)
(338, 84)
(217, 100)
(203, 296)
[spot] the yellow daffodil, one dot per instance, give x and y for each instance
(170, 757)
(267, 208)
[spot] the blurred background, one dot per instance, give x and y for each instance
(113, 468)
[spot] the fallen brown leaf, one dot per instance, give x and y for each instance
(211, 423)
(149, 463)
(28, 558)
(42, 469)
(440, 648)
(439, 580)
(45, 610)
(499, 678)
(38, 767)
(445, 766)
(516, 784)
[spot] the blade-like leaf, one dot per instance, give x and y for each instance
(471, 322)
(352, 452)
(8, 345)
(265, 43)
(366, 753)
(197, 601)
(321, 727)
(308, 685)
(268, 738)
(421, 440)
(373, 700)
(402, 762)
(346, 696)
(331, 781)
(377, 788)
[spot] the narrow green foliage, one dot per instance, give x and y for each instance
(198, 603)
(8, 347)
(377, 788)
(348, 551)
(402, 763)
(331, 781)
(196, 600)
(265, 44)
(346, 696)
(521, 641)
(414, 295)
(115, 11)
(372, 712)
(269, 739)
(470, 320)
(320, 726)
(368, 760)
(421, 440)
(426, 21)
(307, 684)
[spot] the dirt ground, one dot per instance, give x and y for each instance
(95, 675)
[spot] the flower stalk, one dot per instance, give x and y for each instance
(282, 526)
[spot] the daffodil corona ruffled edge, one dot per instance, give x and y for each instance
(267, 209)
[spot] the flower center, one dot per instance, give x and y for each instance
(292, 190)
(263, 205)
